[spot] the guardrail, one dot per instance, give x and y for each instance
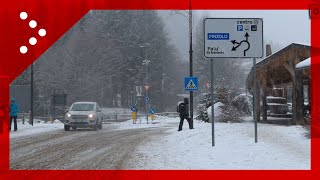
(168, 114)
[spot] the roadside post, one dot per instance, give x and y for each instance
(152, 111)
(254, 101)
(134, 114)
(147, 101)
(228, 38)
(23, 117)
(212, 103)
(146, 87)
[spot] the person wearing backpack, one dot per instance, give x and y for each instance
(183, 110)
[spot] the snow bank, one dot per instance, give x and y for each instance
(278, 147)
(27, 129)
(217, 110)
(57, 121)
(160, 121)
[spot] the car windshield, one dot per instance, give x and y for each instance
(82, 107)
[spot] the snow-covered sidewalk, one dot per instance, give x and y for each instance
(159, 121)
(278, 147)
(27, 129)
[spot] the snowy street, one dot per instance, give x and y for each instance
(159, 145)
(109, 148)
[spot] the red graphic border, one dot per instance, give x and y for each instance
(57, 16)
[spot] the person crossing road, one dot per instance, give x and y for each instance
(183, 110)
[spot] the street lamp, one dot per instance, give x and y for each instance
(162, 83)
(188, 14)
(162, 91)
(146, 63)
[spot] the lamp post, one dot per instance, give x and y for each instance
(146, 62)
(191, 62)
(189, 15)
(32, 95)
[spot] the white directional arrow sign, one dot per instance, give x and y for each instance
(233, 38)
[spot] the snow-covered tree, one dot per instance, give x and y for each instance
(101, 57)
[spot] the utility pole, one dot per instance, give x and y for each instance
(183, 13)
(146, 62)
(191, 66)
(32, 95)
(146, 91)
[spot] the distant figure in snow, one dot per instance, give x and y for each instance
(14, 109)
(183, 110)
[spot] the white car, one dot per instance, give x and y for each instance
(83, 115)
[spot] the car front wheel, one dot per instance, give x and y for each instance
(95, 126)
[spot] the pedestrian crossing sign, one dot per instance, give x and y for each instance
(190, 83)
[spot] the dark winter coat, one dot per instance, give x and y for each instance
(14, 109)
(183, 109)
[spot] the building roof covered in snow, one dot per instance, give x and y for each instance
(277, 68)
(304, 64)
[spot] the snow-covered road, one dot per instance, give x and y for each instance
(158, 145)
(52, 148)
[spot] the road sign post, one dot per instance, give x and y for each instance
(152, 111)
(254, 102)
(233, 38)
(212, 103)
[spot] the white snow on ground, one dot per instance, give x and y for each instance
(159, 121)
(278, 147)
(27, 129)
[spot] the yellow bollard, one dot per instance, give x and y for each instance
(134, 117)
(152, 117)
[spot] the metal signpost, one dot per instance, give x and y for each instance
(233, 38)
(147, 101)
(212, 103)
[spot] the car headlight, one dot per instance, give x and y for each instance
(68, 115)
(90, 115)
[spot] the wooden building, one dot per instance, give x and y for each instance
(278, 70)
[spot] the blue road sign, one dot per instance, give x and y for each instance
(239, 27)
(218, 36)
(151, 111)
(191, 83)
(133, 108)
(147, 99)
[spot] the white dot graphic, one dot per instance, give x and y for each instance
(23, 15)
(33, 41)
(33, 23)
(23, 49)
(42, 32)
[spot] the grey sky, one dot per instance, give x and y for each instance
(281, 27)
